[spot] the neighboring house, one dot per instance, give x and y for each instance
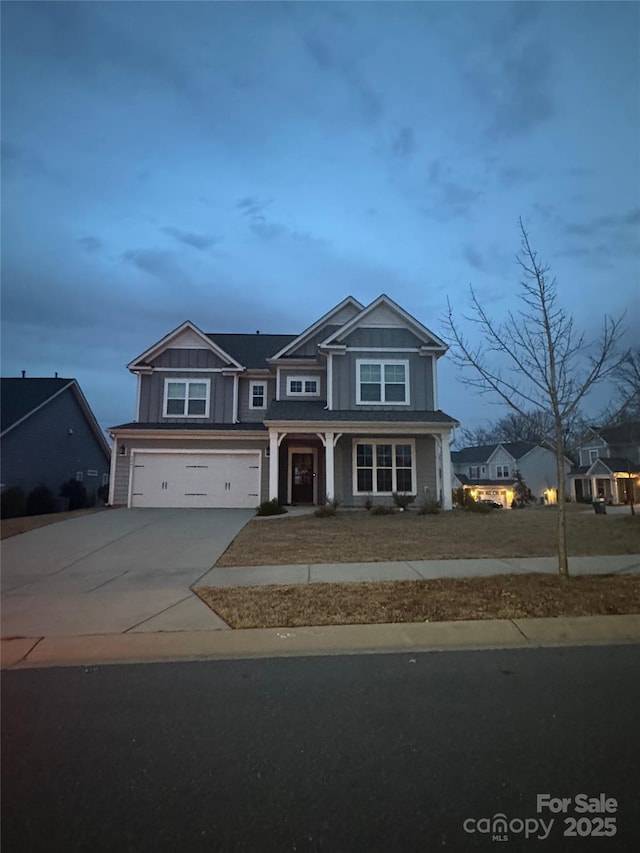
(49, 435)
(346, 409)
(609, 465)
(488, 472)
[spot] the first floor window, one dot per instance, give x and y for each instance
(384, 467)
(186, 398)
(258, 395)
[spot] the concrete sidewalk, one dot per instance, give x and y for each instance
(412, 570)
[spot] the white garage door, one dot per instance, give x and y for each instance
(195, 480)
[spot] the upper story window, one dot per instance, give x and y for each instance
(384, 382)
(258, 395)
(303, 386)
(593, 455)
(186, 398)
(474, 471)
(502, 471)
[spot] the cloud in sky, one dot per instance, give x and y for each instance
(248, 165)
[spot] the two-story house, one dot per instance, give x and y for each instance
(609, 465)
(346, 409)
(488, 471)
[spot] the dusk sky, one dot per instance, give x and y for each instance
(248, 165)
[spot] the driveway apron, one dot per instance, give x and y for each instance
(114, 571)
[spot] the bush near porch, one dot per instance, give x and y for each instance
(356, 536)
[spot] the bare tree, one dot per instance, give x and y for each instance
(536, 361)
(627, 380)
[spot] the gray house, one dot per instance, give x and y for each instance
(609, 465)
(346, 409)
(49, 435)
(488, 471)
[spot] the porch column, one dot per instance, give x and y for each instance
(446, 472)
(273, 464)
(329, 466)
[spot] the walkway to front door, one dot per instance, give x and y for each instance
(302, 478)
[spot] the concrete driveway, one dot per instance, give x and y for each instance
(114, 571)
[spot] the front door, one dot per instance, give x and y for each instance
(302, 478)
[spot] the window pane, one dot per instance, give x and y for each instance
(384, 479)
(365, 480)
(197, 391)
(394, 373)
(311, 387)
(394, 393)
(197, 407)
(370, 393)
(175, 407)
(176, 390)
(403, 455)
(384, 456)
(370, 373)
(403, 479)
(364, 455)
(296, 386)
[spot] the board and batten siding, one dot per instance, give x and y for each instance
(314, 371)
(370, 337)
(247, 414)
(182, 358)
(123, 463)
(51, 446)
(420, 380)
(310, 347)
(425, 462)
(152, 397)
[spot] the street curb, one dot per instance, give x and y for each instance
(92, 650)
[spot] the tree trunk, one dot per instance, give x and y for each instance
(563, 559)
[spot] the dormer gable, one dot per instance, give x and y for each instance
(185, 336)
(384, 313)
(340, 314)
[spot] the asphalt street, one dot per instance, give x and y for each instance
(395, 752)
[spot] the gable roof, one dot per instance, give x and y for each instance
(297, 341)
(21, 398)
(421, 331)
(484, 452)
(614, 465)
(251, 351)
(142, 360)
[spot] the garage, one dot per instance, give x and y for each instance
(195, 479)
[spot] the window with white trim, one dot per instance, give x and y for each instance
(593, 455)
(258, 395)
(502, 471)
(303, 386)
(186, 398)
(474, 472)
(385, 382)
(384, 467)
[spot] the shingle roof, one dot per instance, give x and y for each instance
(316, 410)
(22, 396)
(517, 449)
(250, 350)
(617, 465)
(137, 425)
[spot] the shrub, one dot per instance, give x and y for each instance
(476, 506)
(12, 502)
(382, 509)
(429, 508)
(75, 491)
(403, 500)
(270, 508)
(326, 511)
(462, 497)
(368, 502)
(40, 501)
(103, 493)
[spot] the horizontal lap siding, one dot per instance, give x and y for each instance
(121, 490)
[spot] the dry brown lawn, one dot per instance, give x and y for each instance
(496, 597)
(355, 536)
(14, 526)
